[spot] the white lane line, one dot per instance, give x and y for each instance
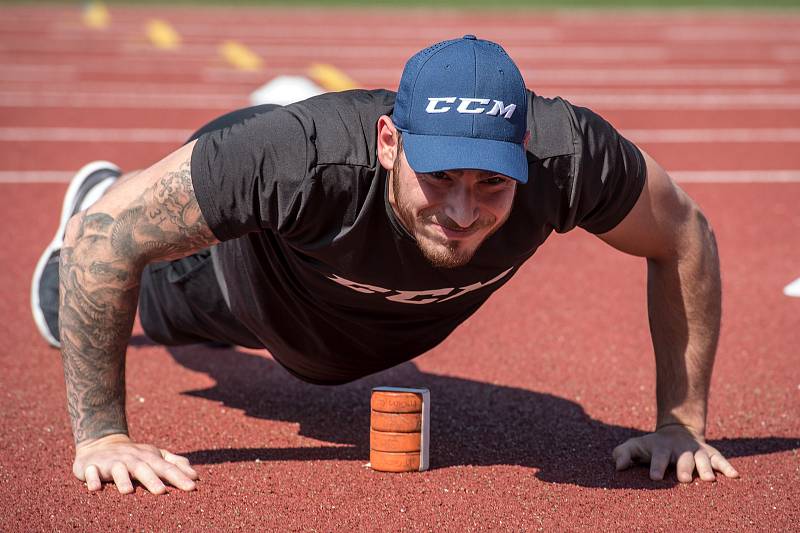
(435, 28)
(653, 136)
(657, 76)
(672, 76)
(683, 101)
(36, 176)
(29, 72)
(729, 35)
(597, 100)
(134, 135)
(793, 289)
(142, 87)
(726, 135)
(128, 100)
(735, 176)
(328, 48)
(681, 176)
(684, 77)
(366, 33)
(786, 53)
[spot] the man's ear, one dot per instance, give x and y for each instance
(387, 142)
(527, 139)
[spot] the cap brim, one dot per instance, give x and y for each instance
(434, 153)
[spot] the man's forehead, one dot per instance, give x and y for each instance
(459, 172)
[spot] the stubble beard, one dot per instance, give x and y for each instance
(448, 254)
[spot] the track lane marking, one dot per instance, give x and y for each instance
(315, 42)
(705, 100)
(124, 99)
(718, 135)
(60, 134)
(735, 176)
(21, 177)
(596, 100)
(96, 15)
(723, 34)
(36, 81)
(162, 35)
(331, 78)
(240, 56)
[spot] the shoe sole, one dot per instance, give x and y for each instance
(68, 208)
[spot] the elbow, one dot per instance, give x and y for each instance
(74, 229)
(703, 230)
(691, 236)
(88, 245)
(698, 242)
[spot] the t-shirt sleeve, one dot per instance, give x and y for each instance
(610, 176)
(251, 175)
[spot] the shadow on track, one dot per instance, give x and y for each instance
(472, 423)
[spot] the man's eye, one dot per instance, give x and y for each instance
(438, 175)
(494, 181)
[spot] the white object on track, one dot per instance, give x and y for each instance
(793, 289)
(285, 90)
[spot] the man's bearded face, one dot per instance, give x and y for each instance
(450, 213)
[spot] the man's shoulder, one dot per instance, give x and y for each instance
(354, 100)
(551, 122)
(342, 125)
(559, 127)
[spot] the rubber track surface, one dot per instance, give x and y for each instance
(529, 396)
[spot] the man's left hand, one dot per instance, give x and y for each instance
(674, 444)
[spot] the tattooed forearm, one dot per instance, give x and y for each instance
(102, 259)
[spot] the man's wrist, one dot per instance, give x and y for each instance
(112, 435)
(696, 427)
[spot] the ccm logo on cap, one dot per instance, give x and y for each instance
(466, 105)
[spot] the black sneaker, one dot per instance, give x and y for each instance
(86, 187)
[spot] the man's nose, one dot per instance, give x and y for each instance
(461, 206)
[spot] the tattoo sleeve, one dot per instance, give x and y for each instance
(105, 250)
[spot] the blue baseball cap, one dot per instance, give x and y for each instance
(462, 103)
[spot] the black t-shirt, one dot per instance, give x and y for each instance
(318, 267)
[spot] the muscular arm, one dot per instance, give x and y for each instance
(683, 294)
(152, 216)
(684, 306)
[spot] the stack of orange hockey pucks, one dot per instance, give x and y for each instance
(399, 429)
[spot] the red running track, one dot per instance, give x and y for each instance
(529, 396)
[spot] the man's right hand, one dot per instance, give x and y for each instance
(117, 458)
(152, 216)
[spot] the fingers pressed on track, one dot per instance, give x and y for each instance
(92, 476)
(622, 457)
(121, 477)
(703, 463)
(718, 462)
(659, 464)
(181, 462)
(145, 474)
(639, 452)
(685, 467)
(174, 475)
